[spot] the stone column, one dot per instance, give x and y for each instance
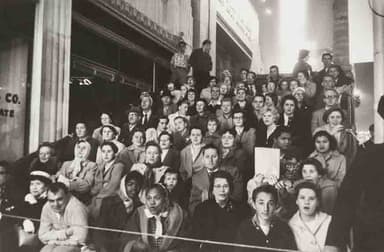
(51, 71)
(340, 34)
(378, 47)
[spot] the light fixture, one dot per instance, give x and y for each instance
(268, 11)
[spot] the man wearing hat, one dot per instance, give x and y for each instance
(201, 63)
(133, 124)
(167, 107)
(179, 64)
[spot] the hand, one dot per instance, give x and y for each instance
(259, 179)
(204, 195)
(30, 199)
(61, 235)
(338, 128)
(272, 180)
(28, 226)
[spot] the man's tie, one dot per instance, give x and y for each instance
(145, 119)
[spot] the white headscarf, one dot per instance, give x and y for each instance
(77, 163)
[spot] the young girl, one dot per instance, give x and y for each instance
(309, 224)
(312, 170)
(212, 136)
(174, 184)
(326, 153)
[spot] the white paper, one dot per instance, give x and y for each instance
(267, 161)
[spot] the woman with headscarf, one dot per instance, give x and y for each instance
(157, 217)
(116, 210)
(79, 174)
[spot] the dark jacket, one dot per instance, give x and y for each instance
(211, 222)
(200, 61)
(200, 121)
(279, 236)
(125, 136)
(172, 159)
(360, 203)
(112, 215)
(300, 131)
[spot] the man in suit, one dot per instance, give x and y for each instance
(201, 63)
(148, 117)
(201, 179)
(133, 124)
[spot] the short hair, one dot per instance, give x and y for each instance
(110, 144)
(220, 174)
(203, 101)
(172, 171)
(305, 73)
(152, 144)
(166, 133)
(81, 122)
(237, 111)
(326, 54)
(210, 146)
(48, 145)
(147, 96)
(136, 176)
(280, 130)
(332, 140)
(207, 41)
(259, 95)
(274, 66)
(162, 190)
(183, 101)
(213, 119)
(56, 187)
(111, 127)
(163, 117)
(231, 131)
(330, 111)
(273, 97)
(185, 120)
(273, 110)
(226, 99)
(244, 69)
(141, 131)
(287, 98)
(330, 89)
(314, 162)
(195, 127)
(308, 185)
(6, 165)
(267, 188)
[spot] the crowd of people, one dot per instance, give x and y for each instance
(183, 165)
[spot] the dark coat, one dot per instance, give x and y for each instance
(300, 131)
(172, 159)
(125, 136)
(279, 236)
(211, 222)
(360, 203)
(200, 121)
(152, 121)
(200, 61)
(112, 215)
(26, 209)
